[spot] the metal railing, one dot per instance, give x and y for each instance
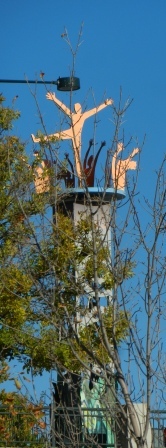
(63, 427)
(20, 428)
(82, 427)
(158, 425)
(68, 428)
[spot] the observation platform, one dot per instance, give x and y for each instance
(105, 195)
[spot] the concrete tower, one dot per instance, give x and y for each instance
(78, 397)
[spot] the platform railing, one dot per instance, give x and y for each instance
(158, 425)
(83, 427)
(20, 428)
(68, 428)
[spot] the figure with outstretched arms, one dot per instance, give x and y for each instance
(77, 119)
(120, 167)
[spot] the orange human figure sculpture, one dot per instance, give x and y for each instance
(42, 178)
(77, 119)
(119, 167)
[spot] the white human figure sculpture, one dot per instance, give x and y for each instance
(77, 119)
(119, 167)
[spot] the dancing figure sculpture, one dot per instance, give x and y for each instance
(119, 167)
(90, 164)
(77, 119)
(42, 177)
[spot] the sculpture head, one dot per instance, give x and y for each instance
(77, 108)
(120, 148)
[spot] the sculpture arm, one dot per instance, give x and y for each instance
(134, 152)
(51, 96)
(98, 152)
(95, 110)
(87, 152)
(120, 147)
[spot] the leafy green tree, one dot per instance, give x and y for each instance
(21, 421)
(17, 205)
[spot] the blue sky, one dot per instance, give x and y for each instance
(123, 46)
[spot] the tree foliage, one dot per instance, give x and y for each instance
(21, 421)
(18, 203)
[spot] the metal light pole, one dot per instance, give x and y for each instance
(66, 84)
